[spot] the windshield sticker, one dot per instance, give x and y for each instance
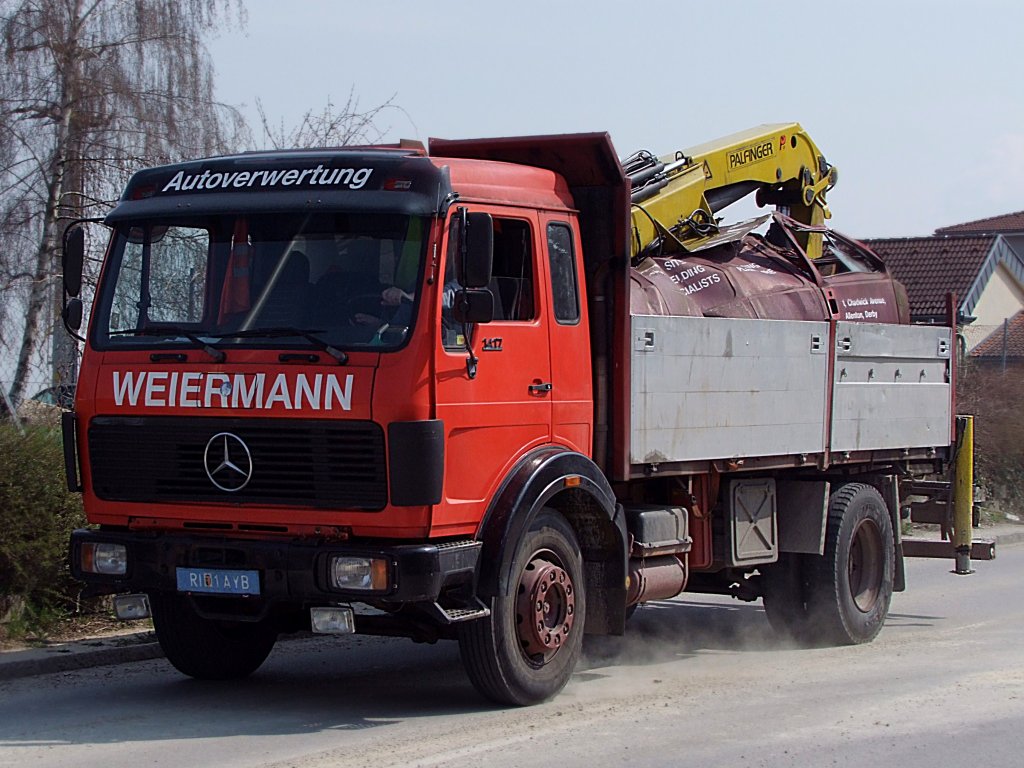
(323, 177)
(175, 389)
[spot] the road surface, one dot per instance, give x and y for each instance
(696, 682)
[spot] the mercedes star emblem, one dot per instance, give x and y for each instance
(228, 462)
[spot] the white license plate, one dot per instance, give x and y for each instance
(218, 581)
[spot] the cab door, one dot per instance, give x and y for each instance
(494, 417)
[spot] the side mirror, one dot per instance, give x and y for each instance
(72, 260)
(72, 314)
(473, 305)
(477, 249)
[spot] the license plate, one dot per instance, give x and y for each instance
(218, 581)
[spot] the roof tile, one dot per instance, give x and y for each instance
(1008, 222)
(992, 346)
(930, 267)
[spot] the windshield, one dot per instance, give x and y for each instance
(339, 280)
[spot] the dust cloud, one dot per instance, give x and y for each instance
(681, 628)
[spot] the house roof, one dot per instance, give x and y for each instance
(1008, 222)
(930, 267)
(992, 346)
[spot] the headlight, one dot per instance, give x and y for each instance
(104, 557)
(130, 607)
(369, 574)
(333, 620)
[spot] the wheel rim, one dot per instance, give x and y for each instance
(545, 607)
(865, 566)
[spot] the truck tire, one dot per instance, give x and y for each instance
(526, 650)
(851, 586)
(842, 597)
(205, 649)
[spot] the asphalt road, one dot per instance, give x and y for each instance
(695, 682)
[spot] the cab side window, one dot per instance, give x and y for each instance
(512, 277)
(512, 281)
(565, 294)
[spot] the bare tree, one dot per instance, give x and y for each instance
(92, 89)
(333, 126)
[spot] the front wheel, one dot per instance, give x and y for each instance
(526, 650)
(207, 649)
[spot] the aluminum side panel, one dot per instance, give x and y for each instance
(716, 388)
(891, 387)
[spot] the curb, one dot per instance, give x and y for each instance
(81, 655)
(1007, 538)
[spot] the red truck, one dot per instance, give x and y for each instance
(501, 392)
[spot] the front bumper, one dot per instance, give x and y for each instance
(291, 572)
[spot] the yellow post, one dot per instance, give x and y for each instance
(963, 494)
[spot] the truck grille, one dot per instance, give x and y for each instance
(304, 463)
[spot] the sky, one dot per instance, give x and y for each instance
(920, 105)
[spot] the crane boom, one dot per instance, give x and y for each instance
(674, 197)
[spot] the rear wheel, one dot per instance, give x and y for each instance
(526, 650)
(851, 586)
(206, 649)
(842, 597)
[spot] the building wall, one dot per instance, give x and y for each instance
(1002, 298)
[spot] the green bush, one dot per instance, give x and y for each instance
(37, 515)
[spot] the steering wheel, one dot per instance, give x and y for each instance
(364, 304)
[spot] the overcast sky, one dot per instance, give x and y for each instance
(919, 104)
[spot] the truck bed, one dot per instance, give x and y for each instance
(706, 389)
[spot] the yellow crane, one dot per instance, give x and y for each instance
(675, 197)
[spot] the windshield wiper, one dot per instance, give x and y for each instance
(174, 330)
(281, 332)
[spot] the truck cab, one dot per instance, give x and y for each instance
(309, 378)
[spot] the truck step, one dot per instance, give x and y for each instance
(463, 613)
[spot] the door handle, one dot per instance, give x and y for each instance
(540, 389)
